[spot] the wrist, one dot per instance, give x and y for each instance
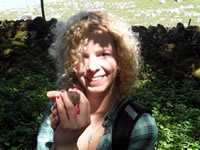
(64, 143)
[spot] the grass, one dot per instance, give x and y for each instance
(137, 12)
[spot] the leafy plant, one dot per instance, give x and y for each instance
(175, 107)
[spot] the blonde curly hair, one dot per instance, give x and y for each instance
(69, 42)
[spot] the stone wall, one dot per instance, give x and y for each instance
(173, 53)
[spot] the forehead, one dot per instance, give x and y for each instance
(101, 37)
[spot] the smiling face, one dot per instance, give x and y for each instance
(97, 70)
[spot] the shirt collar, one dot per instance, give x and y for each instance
(112, 113)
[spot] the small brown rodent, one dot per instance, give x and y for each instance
(74, 97)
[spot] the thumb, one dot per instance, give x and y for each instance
(52, 94)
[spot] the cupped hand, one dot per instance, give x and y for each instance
(68, 120)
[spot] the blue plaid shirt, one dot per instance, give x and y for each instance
(143, 136)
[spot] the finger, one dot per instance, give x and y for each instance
(52, 94)
(68, 105)
(54, 111)
(53, 107)
(79, 111)
(61, 110)
(83, 108)
(54, 121)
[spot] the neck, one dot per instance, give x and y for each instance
(100, 103)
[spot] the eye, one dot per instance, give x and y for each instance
(105, 54)
(85, 55)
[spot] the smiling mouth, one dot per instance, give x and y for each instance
(95, 80)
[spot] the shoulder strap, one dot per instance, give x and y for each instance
(125, 122)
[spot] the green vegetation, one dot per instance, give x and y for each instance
(143, 12)
(24, 83)
(176, 109)
(27, 73)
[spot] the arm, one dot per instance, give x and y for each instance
(144, 135)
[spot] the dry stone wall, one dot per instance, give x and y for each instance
(173, 53)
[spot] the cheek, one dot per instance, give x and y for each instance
(111, 66)
(80, 70)
(80, 67)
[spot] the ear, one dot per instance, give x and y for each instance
(118, 70)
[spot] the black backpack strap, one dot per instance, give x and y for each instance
(125, 122)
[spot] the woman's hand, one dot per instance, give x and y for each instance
(72, 95)
(68, 120)
(54, 113)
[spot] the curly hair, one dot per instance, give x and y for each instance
(69, 42)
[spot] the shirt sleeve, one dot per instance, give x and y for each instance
(45, 135)
(144, 134)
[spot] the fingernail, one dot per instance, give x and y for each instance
(58, 97)
(62, 91)
(77, 108)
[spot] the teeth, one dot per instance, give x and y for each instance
(95, 79)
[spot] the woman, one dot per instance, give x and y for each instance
(97, 57)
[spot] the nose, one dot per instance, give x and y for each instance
(93, 64)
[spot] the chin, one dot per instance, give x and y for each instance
(99, 89)
(96, 90)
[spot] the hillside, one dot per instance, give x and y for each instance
(137, 12)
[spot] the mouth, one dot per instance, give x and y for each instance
(95, 81)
